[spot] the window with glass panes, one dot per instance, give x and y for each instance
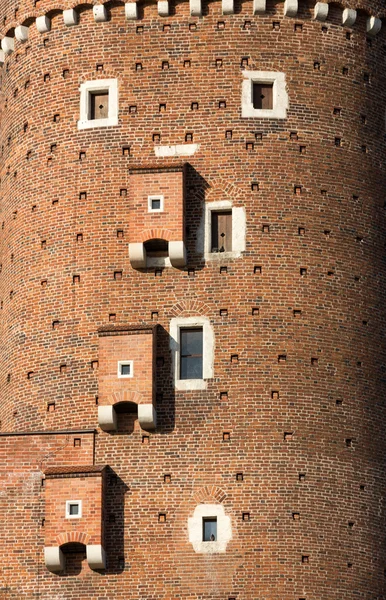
(191, 350)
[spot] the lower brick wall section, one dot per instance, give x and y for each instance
(23, 460)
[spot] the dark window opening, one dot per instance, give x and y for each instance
(209, 529)
(157, 247)
(125, 369)
(263, 96)
(156, 204)
(99, 105)
(73, 509)
(221, 231)
(191, 344)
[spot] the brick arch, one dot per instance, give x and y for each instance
(188, 308)
(220, 189)
(73, 537)
(124, 396)
(208, 493)
(153, 234)
(94, 76)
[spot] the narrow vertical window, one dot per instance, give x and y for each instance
(209, 529)
(99, 105)
(221, 231)
(191, 349)
(262, 95)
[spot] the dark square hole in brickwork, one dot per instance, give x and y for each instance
(46, 77)
(305, 558)
(162, 517)
(282, 358)
(234, 358)
(99, 67)
(302, 149)
(66, 73)
(166, 28)
(255, 311)
(132, 109)
(187, 64)
(82, 155)
(94, 365)
(123, 192)
(112, 317)
(226, 436)
(223, 312)
(239, 477)
(192, 26)
(125, 150)
(119, 234)
(158, 272)
(76, 279)
(145, 439)
(246, 516)
(275, 395)
(303, 271)
(79, 237)
(302, 476)
(165, 65)
(51, 407)
(223, 396)
(276, 25)
(30, 374)
(194, 106)
(344, 70)
(162, 108)
(221, 25)
(316, 65)
(223, 270)
(257, 270)
(228, 134)
(189, 137)
(118, 275)
(218, 62)
(337, 111)
(298, 27)
(56, 118)
(138, 66)
(296, 516)
(247, 25)
(167, 478)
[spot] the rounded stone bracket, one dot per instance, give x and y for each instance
(228, 7)
(321, 11)
(21, 33)
(8, 45)
(107, 418)
(100, 13)
(177, 254)
(163, 8)
(195, 8)
(373, 26)
(43, 24)
(70, 17)
(259, 6)
(349, 16)
(96, 556)
(290, 8)
(54, 559)
(147, 416)
(131, 11)
(137, 255)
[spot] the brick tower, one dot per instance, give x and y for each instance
(192, 300)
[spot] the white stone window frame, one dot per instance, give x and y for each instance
(125, 362)
(176, 325)
(279, 95)
(195, 529)
(238, 230)
(91, 87)
(152, 197)
(72, 503)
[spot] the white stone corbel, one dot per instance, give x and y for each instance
(373, 26)
(163, 8)
(228, 7)
(131, 11)
(100, 13)
(107, 418)
(137, 255)
(259, 6)
(43, 24)
(195, 8)
(8, 45)
(177, 254)
(2, 57)
(21, 33)
(320, 11)
(96, 556)
(349, 16)
(70, 17)
(290, 8)
(54, 559)
(147, 416)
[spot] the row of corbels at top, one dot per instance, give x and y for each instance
(71, 17)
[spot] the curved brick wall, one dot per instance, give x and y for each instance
(305, 303)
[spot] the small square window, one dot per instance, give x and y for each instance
(262, 95)
(73, 509)
(98, 104)
(156, 203)
(125, 368)
(221, 231)
(209, 529)
(191, 351)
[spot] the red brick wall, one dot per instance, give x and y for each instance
(315, 272)
(136, 347)
(171, 220)
(88, 528)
